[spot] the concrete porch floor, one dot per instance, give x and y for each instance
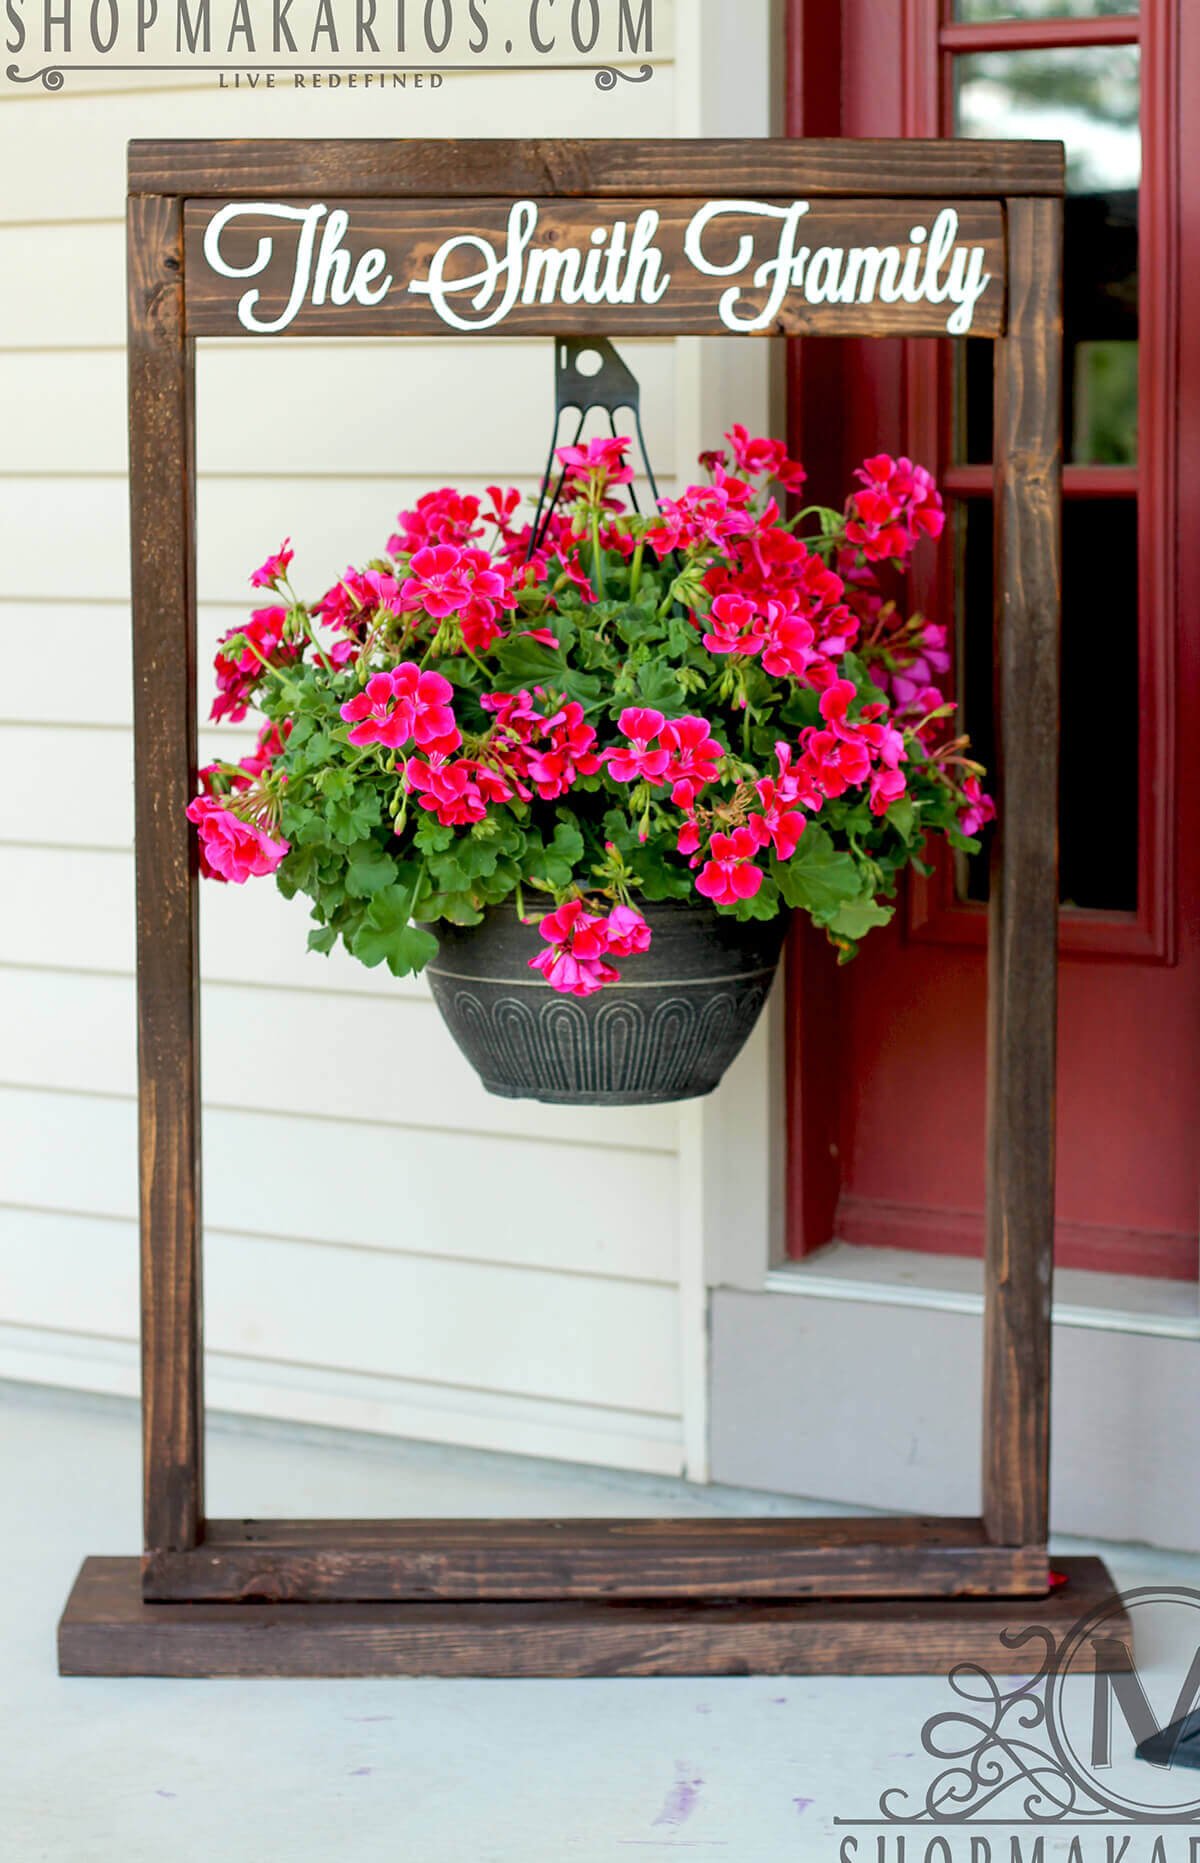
(432, 1771)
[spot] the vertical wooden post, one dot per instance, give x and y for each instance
(162, 480)
(1023, 930)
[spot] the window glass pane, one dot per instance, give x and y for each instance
(1087, 97)
(977, 11)
(1099, 835)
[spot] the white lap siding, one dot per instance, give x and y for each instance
(385, 1245)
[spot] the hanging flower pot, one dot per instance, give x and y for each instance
(581, 769)
(668, 1033)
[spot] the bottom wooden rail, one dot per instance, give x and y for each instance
(510, 1561)
(109, 1629)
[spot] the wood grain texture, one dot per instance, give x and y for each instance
(476, 168)
(501, 1560)
(108, 1629)
(162, 490)
(410, 233)
(1022, 950)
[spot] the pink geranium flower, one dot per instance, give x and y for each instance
(790, 649)
(628, 934)
(270, 745)
(734, 626)
(251, 649)
(689, 839)
(640, 762)
(269, 574)
(438, 581)
(402, 706)
(779, 825)
(601, 460)
(231, 849)
(458, 794)
(833, 764)
(979, 810)
(577, 945)
(887, 786)
(730, 874)
(765, 457)
(567, 755)
(445, 516)
(695, 759)
(898, 505)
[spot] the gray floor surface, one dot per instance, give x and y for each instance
(427, 1771)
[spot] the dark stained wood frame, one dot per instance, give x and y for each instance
(653, 1569)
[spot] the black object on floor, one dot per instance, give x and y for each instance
(1178, 1745)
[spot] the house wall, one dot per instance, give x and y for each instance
(385, 1246)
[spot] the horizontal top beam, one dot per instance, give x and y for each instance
(480, 167)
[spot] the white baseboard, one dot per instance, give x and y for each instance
(351, 1401)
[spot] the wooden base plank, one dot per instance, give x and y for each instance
(511, 1561)
(109, 1630)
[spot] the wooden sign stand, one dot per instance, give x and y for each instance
(217, 236)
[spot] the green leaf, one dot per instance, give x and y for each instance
(458, 908)
(658, 686)
(369, 871)
(554, 864)
(386, 935)
(353, 819)
(859, 916)
(641, 624)
(526, 662)
(818, 878)
(431, 836)
(903, 817)
(323, 939)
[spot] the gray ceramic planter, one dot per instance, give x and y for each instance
(668, 1031)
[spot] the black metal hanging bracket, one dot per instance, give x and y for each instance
(612, 387)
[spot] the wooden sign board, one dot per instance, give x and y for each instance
(279, 238)
(635, 267)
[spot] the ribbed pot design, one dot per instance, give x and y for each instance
(668, 1031)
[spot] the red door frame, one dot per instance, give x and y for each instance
(1169, 555)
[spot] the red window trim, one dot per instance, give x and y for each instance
(934, 911)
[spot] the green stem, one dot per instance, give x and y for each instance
(635, 573)
(597, 555)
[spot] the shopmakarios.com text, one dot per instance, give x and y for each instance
(426, 29)
(1062, 1845)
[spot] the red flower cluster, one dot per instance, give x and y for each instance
(459, 794)
(899, 504)
(260, 643)
(444, 579)
(525, 754)
(445, 516)
(352, 604)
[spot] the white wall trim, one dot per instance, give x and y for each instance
(356, 1401)
(728, 1157)
(945, 1300)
